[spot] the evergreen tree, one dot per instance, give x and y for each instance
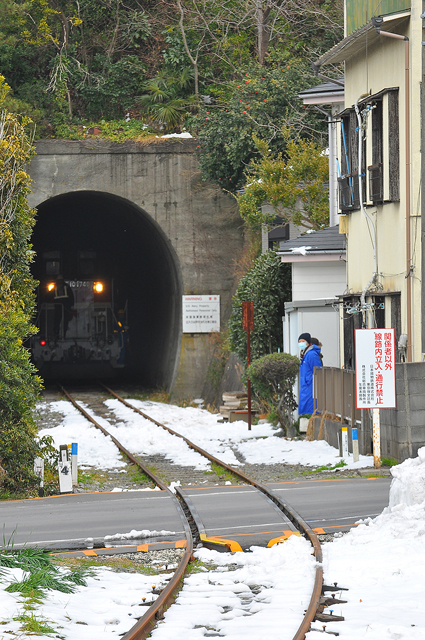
(19, 386)
(268, 285)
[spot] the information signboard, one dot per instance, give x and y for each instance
(201, 314)
(375, 369)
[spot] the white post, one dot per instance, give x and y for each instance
(74, 463)
(64, 468)
(344, 438)
(355, 439)
(376, 439)
(39, 472)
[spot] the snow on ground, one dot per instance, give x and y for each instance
(142, 437)
(264, 598)
(137, 535)
(273, 450)
(185, 134)
(258, 446)
(382, 562)
(107, 607)
(95, 448)
(260, 595)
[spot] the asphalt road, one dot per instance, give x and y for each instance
(67, 521)
(335, 505)
(236, 512)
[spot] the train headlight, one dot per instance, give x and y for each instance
(98, 287)
(50, 286)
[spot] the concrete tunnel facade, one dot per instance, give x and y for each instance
(167, 232)
(140, 258)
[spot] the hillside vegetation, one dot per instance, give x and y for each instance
(221, 69)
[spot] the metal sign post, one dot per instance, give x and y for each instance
(248, 326)
(74, 463)
(376, 438)
(355, 439)
(375, 377)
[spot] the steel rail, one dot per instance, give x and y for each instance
(290, 513)
(145, 624)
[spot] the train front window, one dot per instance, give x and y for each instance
(52, 263)
(86, 263)
(53, 268)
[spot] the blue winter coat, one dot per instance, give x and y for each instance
(310, 360)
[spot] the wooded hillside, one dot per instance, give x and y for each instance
(222, 69)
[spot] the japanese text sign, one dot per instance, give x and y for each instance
(201, 314)
(375, 369)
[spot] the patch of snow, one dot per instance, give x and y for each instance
(138, 535)
(185, 134)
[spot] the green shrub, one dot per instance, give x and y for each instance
(273, 377)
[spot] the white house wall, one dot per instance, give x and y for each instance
(322, 322)
(312, 280)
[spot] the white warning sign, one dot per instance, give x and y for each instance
(201, 314)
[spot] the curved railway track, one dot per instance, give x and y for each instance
(194, 531)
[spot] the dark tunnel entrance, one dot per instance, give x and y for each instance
(132, 250)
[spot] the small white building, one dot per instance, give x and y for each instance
(318, 279)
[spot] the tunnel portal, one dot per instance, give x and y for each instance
(136, 253)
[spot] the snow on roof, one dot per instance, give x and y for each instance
(322, 241)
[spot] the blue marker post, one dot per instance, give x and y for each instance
(74, 463)
(355, 438)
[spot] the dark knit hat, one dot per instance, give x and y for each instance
(306, 337)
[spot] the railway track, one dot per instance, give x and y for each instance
(195, 531)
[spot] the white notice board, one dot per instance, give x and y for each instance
(201, 314)
(375, 369)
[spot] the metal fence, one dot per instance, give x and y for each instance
(335, 392)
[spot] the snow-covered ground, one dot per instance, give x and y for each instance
(382, 562)
(142, 437)
(259, 595)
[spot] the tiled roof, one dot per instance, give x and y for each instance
(324, 240)
(322, 89)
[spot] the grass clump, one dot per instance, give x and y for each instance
(119, 565)
(40, 573)
(329, 467)
(91, 477)
(389, 462)
(33, 625)
(114, 130)
(138, 477)
(197, 566)
(223, 473)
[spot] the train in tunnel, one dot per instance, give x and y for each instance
(91, 237)
(82, 317)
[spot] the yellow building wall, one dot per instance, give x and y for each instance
(382, 67)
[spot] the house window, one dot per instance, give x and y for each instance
(376, 193)
(348, 180)
(380, 153)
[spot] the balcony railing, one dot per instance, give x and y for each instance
(376, 189)
(348, 190)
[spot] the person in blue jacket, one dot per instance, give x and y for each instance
(310, 359)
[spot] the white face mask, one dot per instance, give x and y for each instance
(302, 345)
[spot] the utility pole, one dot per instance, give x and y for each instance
(422, 111)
